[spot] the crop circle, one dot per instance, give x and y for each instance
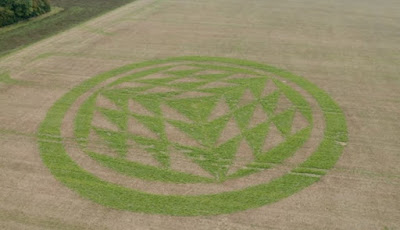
(191, 121)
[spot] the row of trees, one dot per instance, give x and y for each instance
(12, 11)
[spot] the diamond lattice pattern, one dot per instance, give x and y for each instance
(218, 120)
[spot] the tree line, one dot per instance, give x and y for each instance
(12, 11)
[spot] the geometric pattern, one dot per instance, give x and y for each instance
(218, 121)
(189, 120)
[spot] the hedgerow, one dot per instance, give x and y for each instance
(12, 11)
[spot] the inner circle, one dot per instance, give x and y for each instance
(69, 164)
(233, 77)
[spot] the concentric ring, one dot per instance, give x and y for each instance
(56, 158)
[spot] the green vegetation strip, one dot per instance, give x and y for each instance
(115, 196)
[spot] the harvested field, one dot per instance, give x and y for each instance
(206, 115)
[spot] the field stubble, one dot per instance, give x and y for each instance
(349, 49)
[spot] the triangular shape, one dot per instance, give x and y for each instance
(104, 102)
(155, 124)
(205, 159)
(195, 131)
(244, 156)
(180, 162)
(269, 88)
(224, 155)
(197, 109)
(247, 98)
(117, 117)
(283, 104)
(100, 121)
(256, 137)
(299, 123)
(220, 109)
(259, 116)
(244, 114)
(137, 154)
(230, 131)
(150, 101)
(284, 121)
(177, 136)
(269, 102)
(172, 114)
(96, 144)
(233, 96)
(156, 147)
(137, 108)
(115, 140)
(139, 129)
(255, 84)
(212, 130)
(274, 138)
(120, 96)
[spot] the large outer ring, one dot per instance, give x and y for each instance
(70, 174)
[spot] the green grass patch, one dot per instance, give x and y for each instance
(215, 160)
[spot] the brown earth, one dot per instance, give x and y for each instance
(348, 48)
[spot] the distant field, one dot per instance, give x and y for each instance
(74, 12)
